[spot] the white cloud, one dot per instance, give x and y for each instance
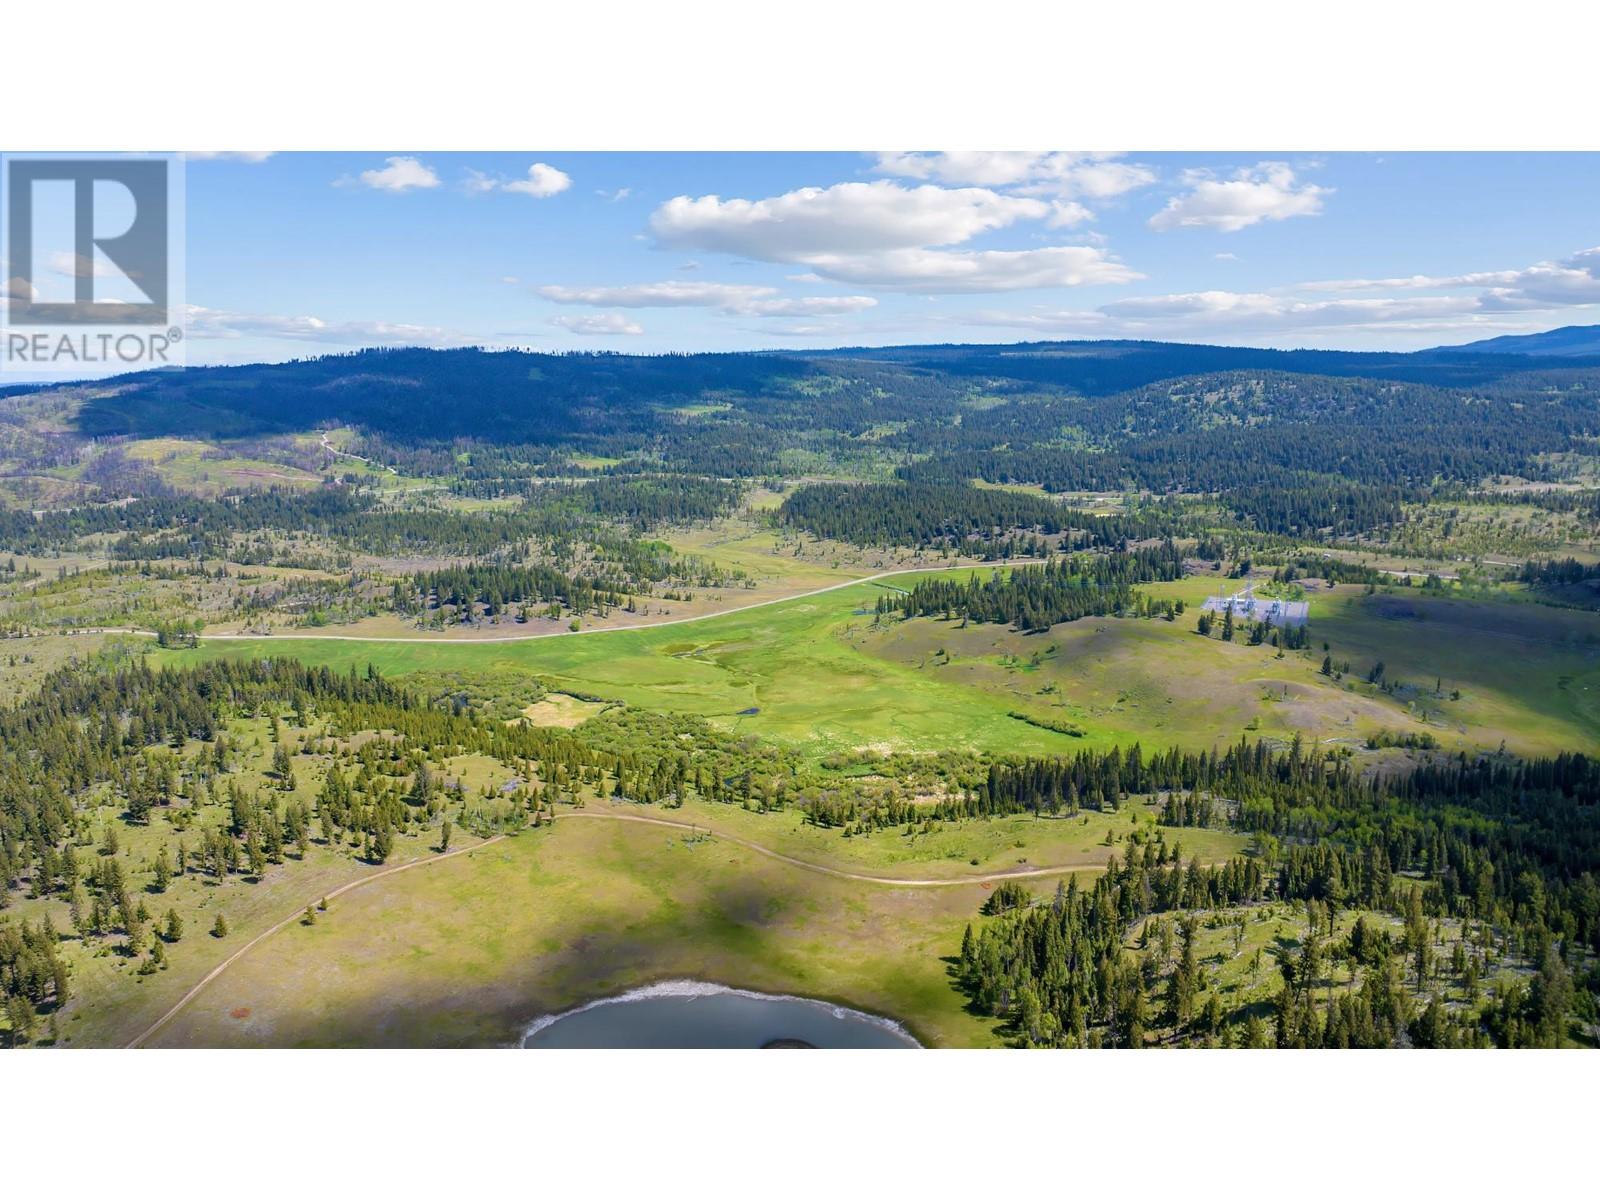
(1260, 311)
(212, 323)
(847, 218)
(1265, 192)
(1546, 287)
(543, 181)
(621, 193)
(1420, 282)
(810, 306)
(977, 270)
(401, 174)
(734, 298)
(887, 236)
(598, 325)
(1066, 213)
(1474, 303)
(1092, 176)
(1574, 280)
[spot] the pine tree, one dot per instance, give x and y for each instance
(163, 870)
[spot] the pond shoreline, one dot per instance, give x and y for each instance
(695, 988)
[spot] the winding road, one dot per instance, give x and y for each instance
(582, 814)
(298, 914)
(529, 637)
(837, 872)
(754, 847)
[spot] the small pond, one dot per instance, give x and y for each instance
(687, 1015)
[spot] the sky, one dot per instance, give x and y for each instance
(289, 255)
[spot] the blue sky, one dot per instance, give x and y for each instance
(295, 254)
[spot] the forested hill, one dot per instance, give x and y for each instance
(1100, 368)
(418, 395)
(1571, 341)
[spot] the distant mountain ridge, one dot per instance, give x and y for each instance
(1570, 341)
(515, 396)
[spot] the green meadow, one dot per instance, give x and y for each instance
(817, 672)
(468, 952)
(806, 667)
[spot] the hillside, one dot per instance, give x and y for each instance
(1571, 341)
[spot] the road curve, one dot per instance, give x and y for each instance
(582, 814)
(530, 637)
(836, 872)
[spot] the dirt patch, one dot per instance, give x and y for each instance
(239, 1014)
(561, 711)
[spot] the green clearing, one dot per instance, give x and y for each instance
(204, 469)
(803, 665)
(948, 849)
(818, 674)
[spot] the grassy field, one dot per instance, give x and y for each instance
(952, 850)
(470, 951)
(25, 661)
(815, 672)
(114, 1001)
(205, 470)
(798, 665)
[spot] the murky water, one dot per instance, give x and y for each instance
(686, 1015)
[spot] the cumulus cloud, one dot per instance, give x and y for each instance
(402, 173)
(598, 325)
(733, 298)
(543, 180)
(847, 218)
(1265, 192)
(885, 235)
(1066, 213)
(221, 324)
(1092, 176)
